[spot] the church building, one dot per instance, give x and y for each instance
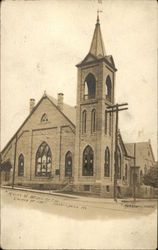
(60, 147)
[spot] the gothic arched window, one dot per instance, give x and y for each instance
(44, 118)
(93, 121)
(21, 165)
(89, 87)
(118, 163)
(84, 120)
(43, 160)
(68, 164)
(107, 163)
(88, 158)
(105, 122)
(108, 88)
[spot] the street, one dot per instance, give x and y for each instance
(34, 220)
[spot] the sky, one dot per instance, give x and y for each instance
(42, 41)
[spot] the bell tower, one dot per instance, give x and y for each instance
(94, 145)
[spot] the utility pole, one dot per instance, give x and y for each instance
(111, 109)
(134, 179)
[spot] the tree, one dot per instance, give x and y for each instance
(151, 177)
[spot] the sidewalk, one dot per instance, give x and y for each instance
(123, 201)
(60, 194)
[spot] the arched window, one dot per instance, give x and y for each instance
(105, 122)
(118, 163)
(89, 87)
(44, 118)
(108, 88)
(68, 164)
(21, 165)
(43, 160)
(84, 120)
(88, 158)
(93, 121)
(126, 170)
(107, 163)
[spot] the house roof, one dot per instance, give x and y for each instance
(122, 144)
(69, 113)
(141, 148)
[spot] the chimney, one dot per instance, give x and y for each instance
(60, 101)
(32, 104)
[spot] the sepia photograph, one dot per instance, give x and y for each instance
(78, 157)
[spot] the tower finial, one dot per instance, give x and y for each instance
(97, 16)
(98, 11)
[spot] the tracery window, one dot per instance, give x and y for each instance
(107, 163)
(84, 121)
(21, 165)
(89, 87)
(88, 158)
(44, 118)
(93, 121)
(43, 160)
(68, 164)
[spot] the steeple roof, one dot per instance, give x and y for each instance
(97, 51)
(97, 45)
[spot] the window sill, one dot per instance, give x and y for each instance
(45, 177)
(108, 102)
(107, 135)
(94, 133)
(89, 101)
(84, 134)
(86, 176)
(44, 123)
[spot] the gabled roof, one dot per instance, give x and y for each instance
(122, 144)
(141, 148)
(68, 112)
